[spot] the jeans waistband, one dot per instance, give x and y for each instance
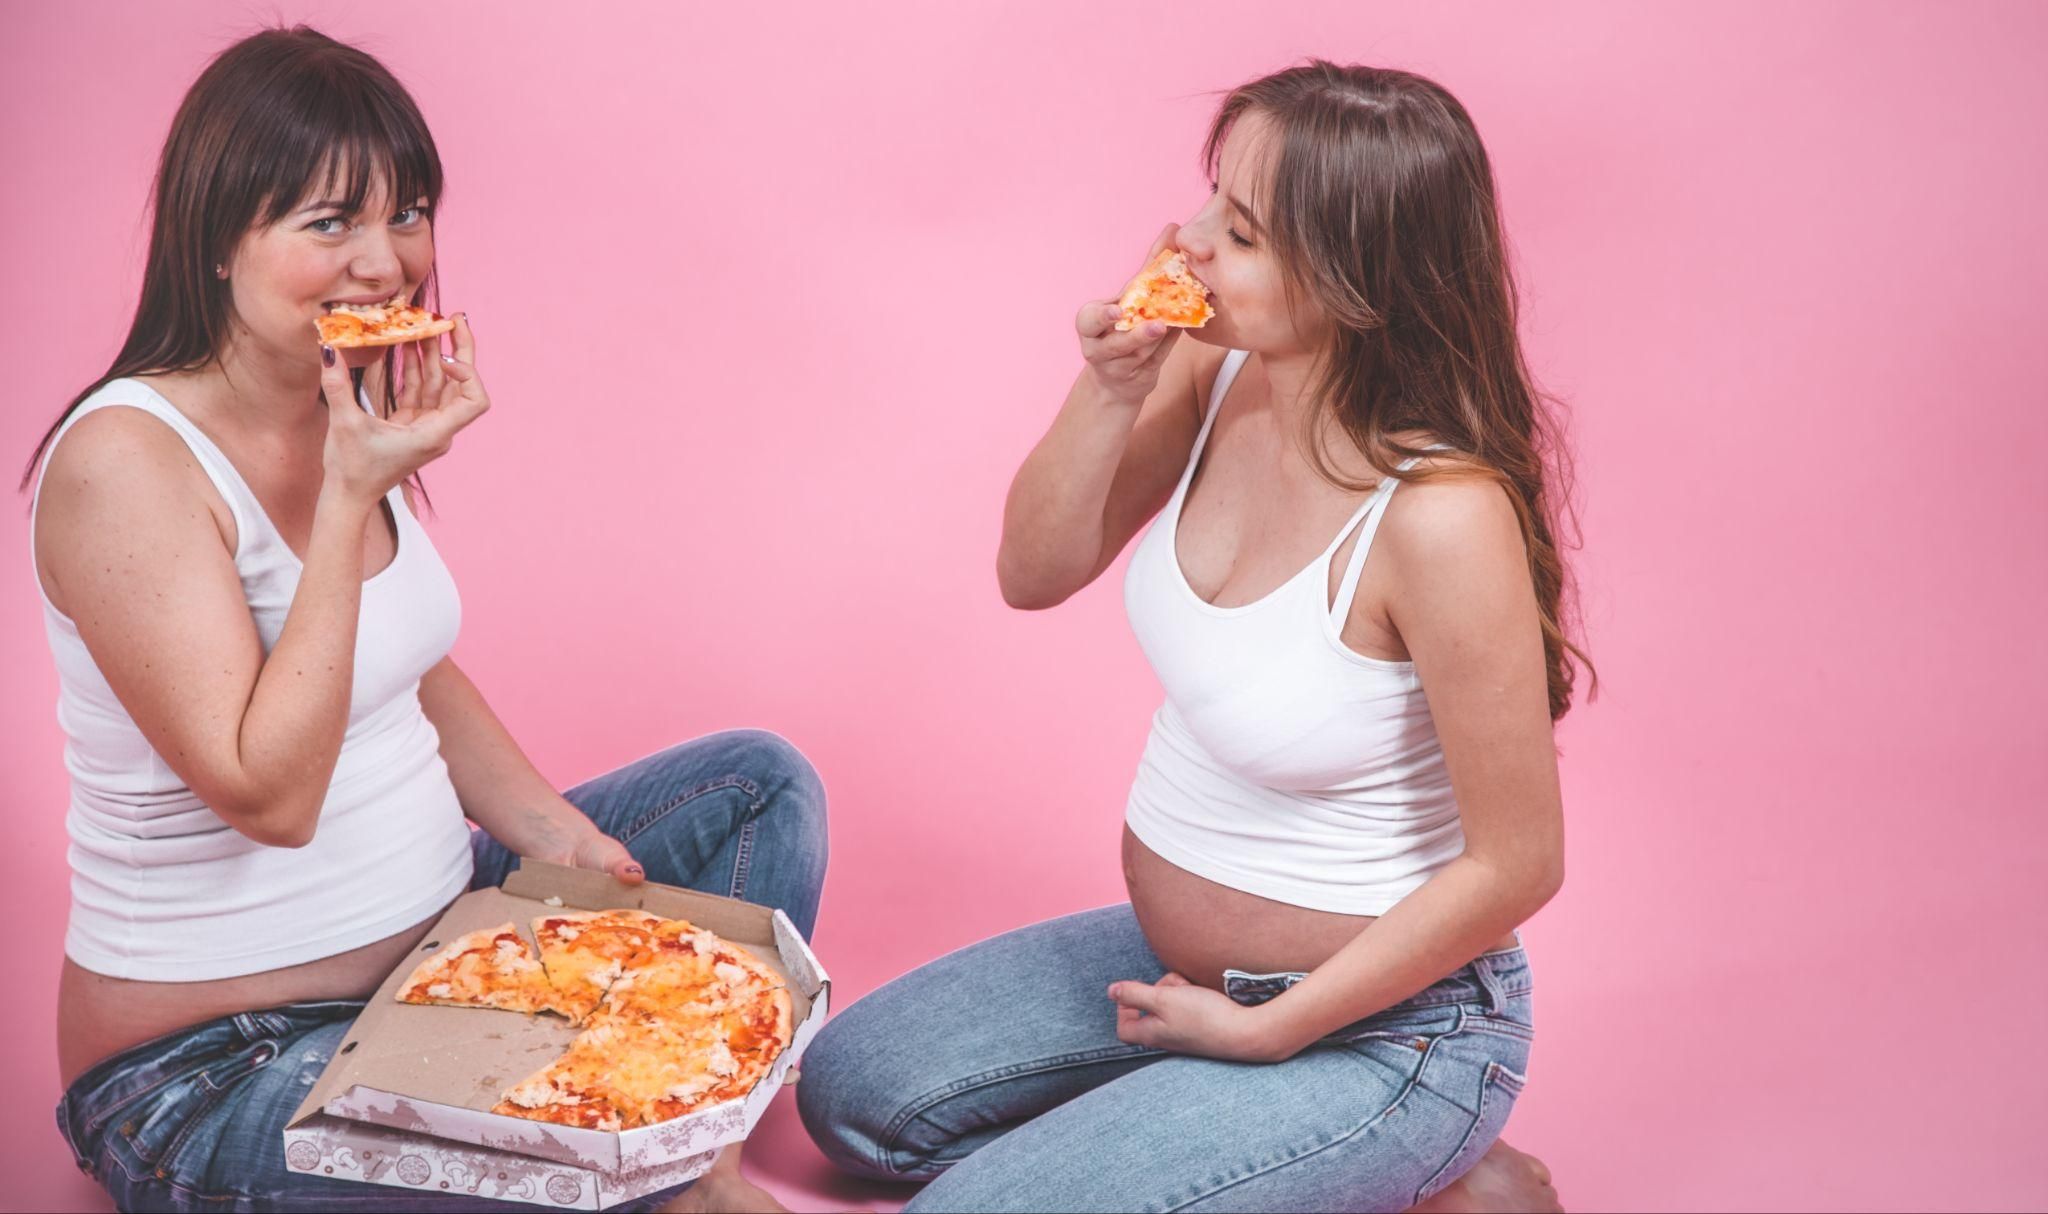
(1494, 977)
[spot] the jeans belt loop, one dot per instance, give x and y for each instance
(1496, 990)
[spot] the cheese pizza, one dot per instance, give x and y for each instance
(488, 968)
(675, 1018)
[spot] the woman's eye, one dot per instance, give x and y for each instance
(332, 225)
(1239, 241)
(409, 217)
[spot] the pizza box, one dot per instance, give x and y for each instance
(406, 1098)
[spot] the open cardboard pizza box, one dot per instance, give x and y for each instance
(406, 1098)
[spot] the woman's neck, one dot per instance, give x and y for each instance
(1294, 391)
(256, 391)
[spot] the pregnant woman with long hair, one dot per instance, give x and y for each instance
(1354, 597)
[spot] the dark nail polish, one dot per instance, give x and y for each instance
(327, 356)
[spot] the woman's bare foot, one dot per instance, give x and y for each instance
(724, 1190)
(1504, 1180)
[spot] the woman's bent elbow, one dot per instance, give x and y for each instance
(287, 826)
(1023, 592)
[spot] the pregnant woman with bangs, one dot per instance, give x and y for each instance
(1315, 998)
(272, 756)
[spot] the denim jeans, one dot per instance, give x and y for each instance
(194, 1120)
(995, 1073)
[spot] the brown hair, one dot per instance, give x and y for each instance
(1381, 205)
(272, 119)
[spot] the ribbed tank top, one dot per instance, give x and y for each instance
(1283, 763)
(162, 889)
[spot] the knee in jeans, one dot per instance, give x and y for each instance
(842, 1115)
(789, 784)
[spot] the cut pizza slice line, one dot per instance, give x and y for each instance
(393, 322)
(1166, 291)
(585, 952)
(493, 968)
(622, 1074)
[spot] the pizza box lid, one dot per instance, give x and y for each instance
(437, 1071)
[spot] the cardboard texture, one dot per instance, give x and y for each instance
(406, 1098)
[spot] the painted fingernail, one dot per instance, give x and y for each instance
(447, 358)
(636, 869)
(465, 319)
(326, 356)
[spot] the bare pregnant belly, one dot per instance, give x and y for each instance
(98, 1016)
(1199, 928)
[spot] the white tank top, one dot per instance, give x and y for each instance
(1283, 763)
(161, 888)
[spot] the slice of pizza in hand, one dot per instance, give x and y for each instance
(393, 322)
(1165, 291)
(584, 952)
(489, 968)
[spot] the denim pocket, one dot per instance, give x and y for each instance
(154, 1139)
(1497, 1092)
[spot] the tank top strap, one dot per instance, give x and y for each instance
(1367, 523)
(1226, 375)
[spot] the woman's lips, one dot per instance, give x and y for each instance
(365, 300)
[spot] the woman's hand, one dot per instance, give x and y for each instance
(366, 456)
(1175, 1014)
(599, 852)
(559, 834)
(1126, 365)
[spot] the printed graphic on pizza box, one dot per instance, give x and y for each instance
(566, 1040)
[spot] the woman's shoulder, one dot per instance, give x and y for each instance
(1458, 506)
(120, 458)
(120, 429)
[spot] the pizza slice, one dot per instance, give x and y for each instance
(584, 952)
(391, 323)
(1164, 290)
(629, 1071)
(493, 967)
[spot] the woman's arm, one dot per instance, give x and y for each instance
(130, 547)
(501, 790)
(1466, 609)
(1107, 464)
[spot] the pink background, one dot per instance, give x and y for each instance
(1783, 259)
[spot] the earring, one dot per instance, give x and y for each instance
(219, 270)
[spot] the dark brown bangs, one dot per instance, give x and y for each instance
(336, 140)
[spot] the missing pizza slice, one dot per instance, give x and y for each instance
(1165, 291)
(391, 323)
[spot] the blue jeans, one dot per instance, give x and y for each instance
(995, 1073)
(194, 1120)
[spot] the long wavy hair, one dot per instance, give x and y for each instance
(1381, 206)
(275, 117)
